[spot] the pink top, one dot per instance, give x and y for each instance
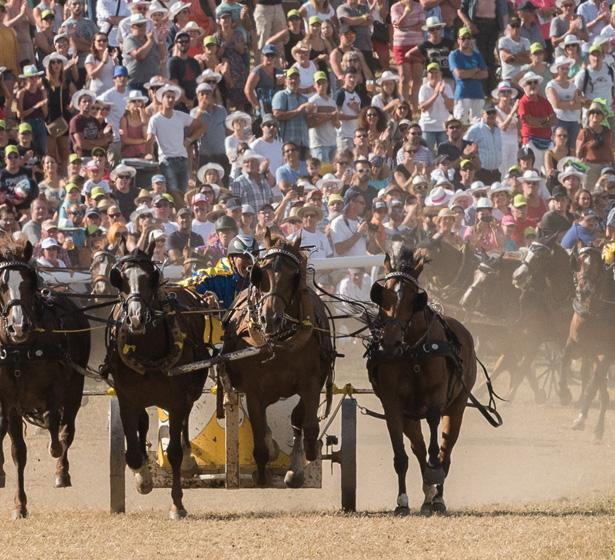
(405, 35)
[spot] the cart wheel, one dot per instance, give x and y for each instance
(547, 366)
(349, 455)
(117, 459)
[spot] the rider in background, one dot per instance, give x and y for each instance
(230, 275)
(608, 251)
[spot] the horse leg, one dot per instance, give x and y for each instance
(4, 426)
(135, 457)
(72, 404)
(310, 399)
(19, 452)
(587, 398)
(412, 429)
(603, 391)
(395, 424)
(175, 454)
(258, 419)
(586, 371)
(565, 396)
(295, 475)
(189, 466)
(434, 472)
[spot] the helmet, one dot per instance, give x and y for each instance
(242, 244)
(225, 222)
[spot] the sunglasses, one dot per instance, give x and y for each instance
(115, 215)
(269, 125)
(124, 177)
(531, 83)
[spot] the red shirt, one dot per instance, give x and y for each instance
(534, 213)
(539, 108)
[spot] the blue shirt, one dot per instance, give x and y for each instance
(287, 173)
(469, 88)
(577, 233)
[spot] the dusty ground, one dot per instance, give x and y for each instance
(531, 489)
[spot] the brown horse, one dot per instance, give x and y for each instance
(589, 335)
(282, 314)
(38, 360)
(422, 366)
(150, 332)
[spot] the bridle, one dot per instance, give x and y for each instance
(98, 258)
(125, 300)
(6, 307)
(278, 255)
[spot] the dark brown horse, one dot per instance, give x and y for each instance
(282, 314)
(590, 334)
(39, 354)
(150, 332)
(422, 366)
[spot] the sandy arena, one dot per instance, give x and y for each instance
(531, 489)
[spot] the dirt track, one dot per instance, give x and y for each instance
(534, 459)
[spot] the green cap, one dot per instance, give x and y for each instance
(47, 13)
(210, 40)
(313, 20)
(529, 231)
(70, 186)
(96, 192)
(320, 75)
(292, 71)
(11, 149)
(74, 158)
(2, 124)
(595, 49)
(24, 127)
(465, 163)
(293, 14)
(536, 47)
(433, 66)
(168, 197)
(464, 32)
(519, 201)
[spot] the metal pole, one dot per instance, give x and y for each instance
(231, 429)
(117, 459)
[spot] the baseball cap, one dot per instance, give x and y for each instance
(120, 71)
(199, 197)
(464, 32)
(92, 212)
(159, 179)
(96, 192)
(74, 158)
(293, 14)
(11, 149)
(320, 75)
(98, 151)
(24, 127)
(2, 124)
(433, 66)
(210, 40)
(247, 209)
(508, 220)
(292, 71)
(519, 201)
(313, 20)
(269, 49)
(345, 28)
(466, 163)
(536, 47)
(49, 242)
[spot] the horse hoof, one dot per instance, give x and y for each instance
(579, 423)
(261, 481)
(294, 479)
(438, 506)
(433, 475)
(402, 511)
(19, 513)
(62, 481)
(565, 397)
(540, 397)
(55, 449)
(143, 480)
(177, 514)
(427, 509)
(189, 466)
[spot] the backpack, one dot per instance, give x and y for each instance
(587, 79)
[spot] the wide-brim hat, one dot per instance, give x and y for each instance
(143, 195)
(571, 172)
(235, 115)
(217, 211)
(193, 26)
(30, 71)
(503, 86)
(251, 154)
(122, 168)
(208, 74)
(310, 208)
(445, 212)
(328, 179)
(387, 76)
(79, 94)
(530, 76)
(498, 187)
(433, 22)
(168, 87)
(137, 19)
(54, 56)
(560, 61)
(177, 8)
(461, 198)
(439, 196)
(571, 161)
(200, 174)
(136, 95)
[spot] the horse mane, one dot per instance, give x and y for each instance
(11, 250)
(405, 259)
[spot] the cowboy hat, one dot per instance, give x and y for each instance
(529, 77)
(439, 196)
(209, 74)
(503, 86)
(136, 95)
(79, 94)
(216, 212)
(461, 198)
(310, 208)
(54, 56)
(200, 174)
(122, 168)
(30, 71)
(560, 61)
(144, 194)
(237, 115)
(176, 90)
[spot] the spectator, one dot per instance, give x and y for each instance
(99, 65)
(318, 242)
(253, 186)
(356, 15)
(80, 31)
(181, 239)
(487, 136)
(594, 143)
(436, 103)
(268, 145)
(33, 228)
(262, 83)
(143, 54)
(213, 117)
(348, 105)
(349, 231)
(566, 24)
(583, 231)
(50, 259)
(513, 49)
(184, 71)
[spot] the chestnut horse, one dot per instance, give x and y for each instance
(44, 338)
(589, 335)
(280, 313)
(150, 331)
(421, 366)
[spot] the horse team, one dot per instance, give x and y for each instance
(422, 364)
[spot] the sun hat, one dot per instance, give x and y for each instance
(30, 71)
(122, 168)
(54, 56)
(200, 174)
(536, 47)
(192, 26)
(443, 181)
(433, 22)
(48, 243)
(439, 196)
(310, 208)
(571, 40)
(92, 165)
(329, 179)
(519, 201)
(335, 197)
(561, 61)
(143, 194)
(137, 19)
(79, 94)
(461, 198)
(445, 212)
(478, 186)
(503, 86)
(205, 87)
(484, 203)
(529, 77)
(168, 88)
(387, 76)
(498, 187)
(209, 74)
(156, 81)
(177, 8)
(530, 176)
(49, 224)
(508, 220)
(572, 161)
(237, 115)
(596, 108)
(156, 8)
(249, 155)
(571, 172)
(136, 95)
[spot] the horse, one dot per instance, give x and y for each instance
(545, 280)
(44, 340)
(285, 317)
(100, 269)
(422, 366)
(153, 329)
(589, 335)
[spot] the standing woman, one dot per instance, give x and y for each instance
(319, 47)
(99, 65)
(436, 104)
(31, 103)
(554, 154)
(508, 122)
(408, 17)
(566, 98)
(19, 16)
(43, 41)
(59, 94)
(233, 49)
(133, 127)
(388, 98)
(594, 143)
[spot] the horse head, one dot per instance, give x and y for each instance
(588, 270)
(486, 273)
(138, 280)
(534, 266)
(100, 270)
(18, 290)
(399, 297)
(278, 275)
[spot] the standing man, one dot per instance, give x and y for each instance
(80, 32)
(269, 18)
(357, 15)
(253, 186)
(349, 231)
(213, 117)
(469, 70)
(348, 105)
(142, 55)
(167, 128)
(116, 97)
(184, 70)
(268, 144)
(514, 50)
(323, 121)
(487, 136)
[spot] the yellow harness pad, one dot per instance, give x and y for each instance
(608, 253)
(213, 331)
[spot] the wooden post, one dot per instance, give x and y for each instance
(117, 459)
(231, 429)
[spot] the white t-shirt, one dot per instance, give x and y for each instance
(325, 134)
(271, 151)
(104, 80)
(347, 288)
(513, 47)
(567, 94)
(343, 100)
(204, 229)
(343, 228)
(433, 119)
(322, 248)
(117, 110)
(599, 83)
(306, 75)
(169, 134)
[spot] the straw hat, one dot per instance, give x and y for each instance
(235, 115)
(310, 208)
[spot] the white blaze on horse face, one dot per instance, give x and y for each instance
(16, 318)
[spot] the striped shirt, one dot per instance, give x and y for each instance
(251, 192)
(408, 33)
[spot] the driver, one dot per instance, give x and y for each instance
(230, 274)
